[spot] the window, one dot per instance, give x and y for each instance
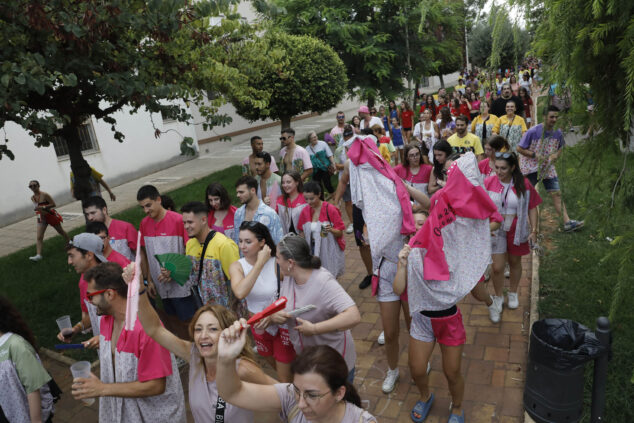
(166, 119)
(87, 137)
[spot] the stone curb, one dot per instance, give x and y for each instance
(53, 355)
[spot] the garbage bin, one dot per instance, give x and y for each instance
(558, 351)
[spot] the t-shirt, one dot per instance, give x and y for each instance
(291, 413)
(532, 140)
(300, 162)
(373, 121)
(123, 237)
(319, 155)
(498, 108)
(512, 129)
(138, 358)
(165, 236)
(469, 142)
(483, 128)
(323, 291)
(115, 257)
(94, 179)
(21, 373)
(214, 284)
(248, 170)
(406, 119)
(460, 87)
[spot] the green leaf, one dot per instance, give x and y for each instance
(20, 79)
(6, 78)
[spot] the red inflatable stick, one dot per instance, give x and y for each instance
(278, 305)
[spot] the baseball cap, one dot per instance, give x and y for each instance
(90, 242)
(364, 109)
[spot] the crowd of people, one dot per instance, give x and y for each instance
(432, 206)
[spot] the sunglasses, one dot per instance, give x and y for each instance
(341, 117)
(32, 186)
(499, 155)
(284, 138)
(92, 294)
(248, 224)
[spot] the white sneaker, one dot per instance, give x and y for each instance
(507, 271)
(390, 381)
(349, 229)
(36, 257)
(428, 367)
(495, 309)
(513, 302)
(381, 339)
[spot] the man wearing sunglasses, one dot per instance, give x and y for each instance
(293, 156)
(337, 132)
(139, 380)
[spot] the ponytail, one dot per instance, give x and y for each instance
(315, 262)
(352, 396)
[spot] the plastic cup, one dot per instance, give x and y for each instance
(82, 369)
(64, 323)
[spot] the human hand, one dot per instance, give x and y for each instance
(112, 196)
(440, 182)
(232, 340)
(404, 254)
(60, 336)
(280, 317)
(92, 343)
(128, 273)
(264, 254)
(263, 324)
(532, 238)
(165, 275)
(89, 387)
(305, 327)
(151, 289)
(267, 200)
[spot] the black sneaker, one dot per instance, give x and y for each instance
(367, 281)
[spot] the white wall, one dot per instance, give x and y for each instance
(137, 156)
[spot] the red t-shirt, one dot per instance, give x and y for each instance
(527, 103)
(120, 259)
(406, 119)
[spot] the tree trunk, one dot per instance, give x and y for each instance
(78, 165)
(286, 121)
(371, 101)
(442, 81)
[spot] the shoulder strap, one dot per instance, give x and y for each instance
(279, 278)
(327, 215)
(210, 236)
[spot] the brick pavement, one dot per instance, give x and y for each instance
(493, 363)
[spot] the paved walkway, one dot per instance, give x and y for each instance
(493, 364)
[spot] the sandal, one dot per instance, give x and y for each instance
(421, 410)
(455, 418)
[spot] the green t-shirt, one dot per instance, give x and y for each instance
(30, 371)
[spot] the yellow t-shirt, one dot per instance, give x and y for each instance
(460, 87)
(469, 142)
(511, 130)
(221, 252)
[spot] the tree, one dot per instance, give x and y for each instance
(308, 76)
(509, 43)
(64, 60)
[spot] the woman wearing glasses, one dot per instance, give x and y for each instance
(291, 203)
(44, 207)
(202, 355)
(320, 391)
(517, 202)
(321, 225)
(415, 170)
(307, 283)
(255, 278)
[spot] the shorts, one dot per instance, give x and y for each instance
(399, 147)
(550, 184)
(52, 218)
(347, 194)
(447, 330)
(407, 129)
(385, 292)
(279, 345)
(184, 308)
(357, 225)
(502, 242)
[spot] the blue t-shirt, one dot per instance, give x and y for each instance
(386, 124)
(397, 137)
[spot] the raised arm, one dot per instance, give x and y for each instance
(241, 285)
(400, 279)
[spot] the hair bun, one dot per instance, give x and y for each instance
(315, 262)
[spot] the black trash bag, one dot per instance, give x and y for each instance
(563, 344)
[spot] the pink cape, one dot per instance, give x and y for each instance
(132, 306)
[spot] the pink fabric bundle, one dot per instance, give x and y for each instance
(132, 306)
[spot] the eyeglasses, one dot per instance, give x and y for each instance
(248, 224)
(499, 155)
(89, 295)
(309, 396)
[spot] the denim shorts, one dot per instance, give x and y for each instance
(550, 184)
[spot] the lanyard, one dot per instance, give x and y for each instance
(221, 405)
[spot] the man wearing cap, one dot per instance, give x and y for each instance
(367, 120)
(84, 252)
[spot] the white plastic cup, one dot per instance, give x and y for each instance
(65, 327)
(82, 369)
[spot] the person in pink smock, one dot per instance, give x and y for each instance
(202, 355)
(439, 266)
(291, 203)
(413, 170)
(321, 225)
(139, 379)
(221, 212)
(320, 392)
(121, 235)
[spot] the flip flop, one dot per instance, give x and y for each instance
(455, 418)
(421, 410)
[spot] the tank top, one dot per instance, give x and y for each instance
(264, 290)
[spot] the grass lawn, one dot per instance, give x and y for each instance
(576, 284)
(45, 290)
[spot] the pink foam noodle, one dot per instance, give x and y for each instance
(132, 306)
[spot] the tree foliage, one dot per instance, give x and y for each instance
(307, 76)
(497, 42)
(65, 60)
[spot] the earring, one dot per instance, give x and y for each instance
(289, 269)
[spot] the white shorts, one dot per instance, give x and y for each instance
(385, 293)
(399, 147)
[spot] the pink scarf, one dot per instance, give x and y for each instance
(461, 198)
(132, 306)
(365, 151)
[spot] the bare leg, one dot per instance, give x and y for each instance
(451, 361)
(401, 153)
(406, 315)
(390, 318)
(366, 257)
(560, 206)
(497, 273)
(515, 265)
(348, 207)
(481, 293)
(40, 238)
(419, 354)
(62, 232)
